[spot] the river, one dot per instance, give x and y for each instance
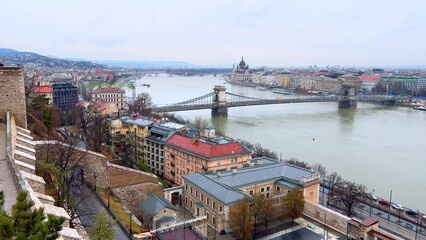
(379, 146)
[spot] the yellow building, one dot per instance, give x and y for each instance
(185, 155)
(212, 194)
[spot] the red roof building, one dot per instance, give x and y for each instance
(185, 155)
(114, 95)
(369, 78)
(45, 91)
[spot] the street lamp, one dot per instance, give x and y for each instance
(371, 202)
(94, 176)
(130, 220)
(109, 192)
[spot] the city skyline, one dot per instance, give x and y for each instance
(270, 33)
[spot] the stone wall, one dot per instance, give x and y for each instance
(12, 94)
(122, 176)
(322, 214)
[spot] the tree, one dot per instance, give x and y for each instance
(350, 194)
(298, 163)
(200, 123)
(258, 150)
(142, 105)
(241, 219)
(293, 204)
(84, 117)
(97, 132)
(334, 179)
(319, 168)
(28, 223)
(259, 202)
(103, 228)
(61, 165)
(268, 210)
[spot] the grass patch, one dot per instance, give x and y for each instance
(119, 211)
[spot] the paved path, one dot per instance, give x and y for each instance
(90, 206)
(7, 184)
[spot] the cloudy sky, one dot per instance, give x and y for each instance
(271, 33)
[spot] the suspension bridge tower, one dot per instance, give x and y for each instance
(219, 101)
(350, 86)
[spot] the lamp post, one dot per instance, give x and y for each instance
(371, 202)
(130, 220)
(94, 176)
(109, 192)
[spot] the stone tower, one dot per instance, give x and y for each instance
(12, 94)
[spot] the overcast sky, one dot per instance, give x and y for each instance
(271, 33)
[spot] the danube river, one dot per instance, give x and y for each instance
(378, 146)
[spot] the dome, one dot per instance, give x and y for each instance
(242, 64)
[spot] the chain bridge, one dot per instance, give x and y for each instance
(219, 101)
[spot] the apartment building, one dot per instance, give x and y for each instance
(65, 95)
(110, 94)
(213, 193)
(186, 155)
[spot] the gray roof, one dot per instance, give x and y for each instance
(140, 122)
(225, 187)
(155, 204)
(261, 173)
(219, 191)
(166, 219)
(160, 134)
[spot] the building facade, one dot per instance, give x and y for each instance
(65, 95)
(213, 193)
(242, 73)
(186, 155)
(45, 91)
(111, 95)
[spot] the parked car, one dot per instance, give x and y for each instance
(384, 202)
(410, 212)
(397, 206)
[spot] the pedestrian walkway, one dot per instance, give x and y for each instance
(7, 184)
(89, 206)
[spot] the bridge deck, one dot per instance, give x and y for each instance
(7, 184)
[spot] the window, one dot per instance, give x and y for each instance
(251, 192)
(214, 220)
(220, 208)
(278, 189)
(191, 190)
(208, 216)
(268, 188)
(262, 189)
(190, 203)
(202, 197)
(311, 193)
(186, 200)
(214, 205)
(186, 187)
(208, 201)
(267, 195)
(196, 193)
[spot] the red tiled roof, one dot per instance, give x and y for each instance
(205, 149)
(43, 89)
(369, 78)
(108, 90)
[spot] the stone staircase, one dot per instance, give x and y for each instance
(23, 156)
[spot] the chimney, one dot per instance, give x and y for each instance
(260, 162)
(234, 171)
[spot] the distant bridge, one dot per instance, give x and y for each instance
(220, 100)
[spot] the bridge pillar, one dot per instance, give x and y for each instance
(350, 86)
(219, 101)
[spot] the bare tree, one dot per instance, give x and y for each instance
(97, 132)
(84, 117)
(142, 105)
(334, 180)
(61, 163)
(298, 163)
(350, 194)
(200, 123)
(319, 168)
